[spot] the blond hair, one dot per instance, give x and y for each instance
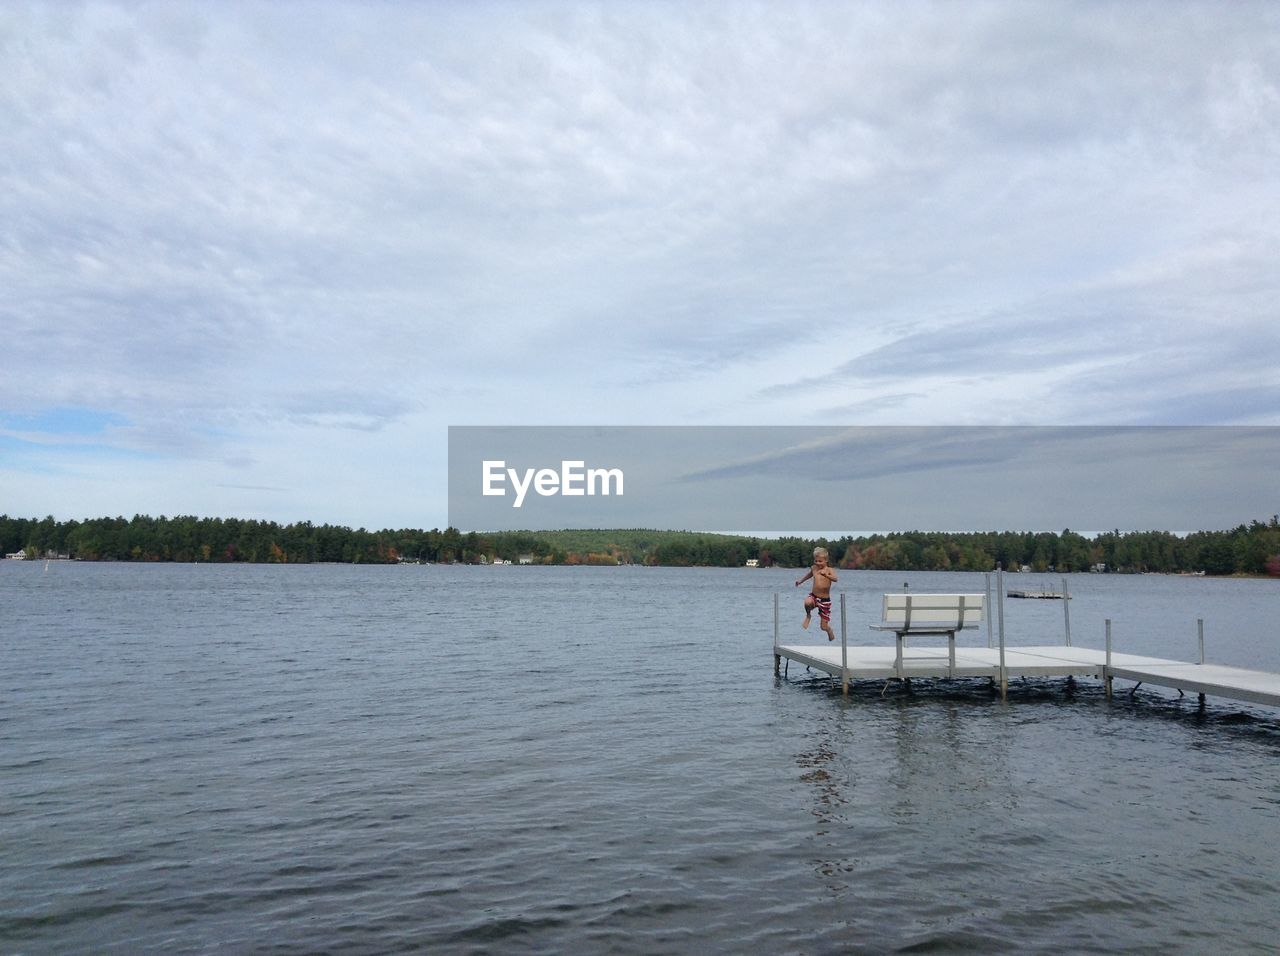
(820, 552)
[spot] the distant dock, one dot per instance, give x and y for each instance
(1001, 662)
(1040, 595)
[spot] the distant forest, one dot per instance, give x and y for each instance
(1252, 549)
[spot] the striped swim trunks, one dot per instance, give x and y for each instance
(823, 605)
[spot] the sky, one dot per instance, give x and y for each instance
(257, 258)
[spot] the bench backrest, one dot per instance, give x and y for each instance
(933, 610)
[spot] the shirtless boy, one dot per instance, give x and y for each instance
(820, 596)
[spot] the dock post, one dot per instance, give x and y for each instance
(1200, 630)
(1066, 608)
(844, 650)
(1004, 673)
(777, 658)
(986, 579)
(1106, 671)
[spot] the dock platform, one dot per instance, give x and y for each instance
(849, 662)
(878, 663)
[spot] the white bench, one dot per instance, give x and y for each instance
(909, 614)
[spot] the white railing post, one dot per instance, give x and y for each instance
(1066, 608)
(844, 649)
(1106, 672)
(1200, 630)
(777, 658)
(986, 583)
(1004, 673)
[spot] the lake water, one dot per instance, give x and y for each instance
(310, 759)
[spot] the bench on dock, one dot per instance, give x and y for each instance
(913, 615)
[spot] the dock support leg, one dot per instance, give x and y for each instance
(1106, 671)
(1201, 703)
(777, 665)
(1004, 670)
(844, 649)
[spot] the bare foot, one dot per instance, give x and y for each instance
(805, 625)
(831, 635)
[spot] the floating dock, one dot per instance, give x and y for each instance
(847, 662)
(879, 663)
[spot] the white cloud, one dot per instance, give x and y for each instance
(278, 225)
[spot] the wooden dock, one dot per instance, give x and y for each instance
(849, 662)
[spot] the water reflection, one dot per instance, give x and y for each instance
(889, 778)
(966, 744)
(825, 767)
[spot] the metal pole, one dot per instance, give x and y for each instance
(986, 583)
(777, 658)
(1106, 671)
(1066, 608)
(1200, 629)
(844, 649)
(1004, 674)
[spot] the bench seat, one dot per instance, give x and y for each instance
(939, 615)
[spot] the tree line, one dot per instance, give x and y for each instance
(1252, 549)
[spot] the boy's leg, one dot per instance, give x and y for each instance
(824, 618)
(809, 605)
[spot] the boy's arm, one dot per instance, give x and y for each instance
(830, 575)
(807, 576)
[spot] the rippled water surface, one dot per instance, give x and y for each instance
(395, 759)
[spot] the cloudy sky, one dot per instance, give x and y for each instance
(255, 258)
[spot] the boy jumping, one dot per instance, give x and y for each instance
(820, 596)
